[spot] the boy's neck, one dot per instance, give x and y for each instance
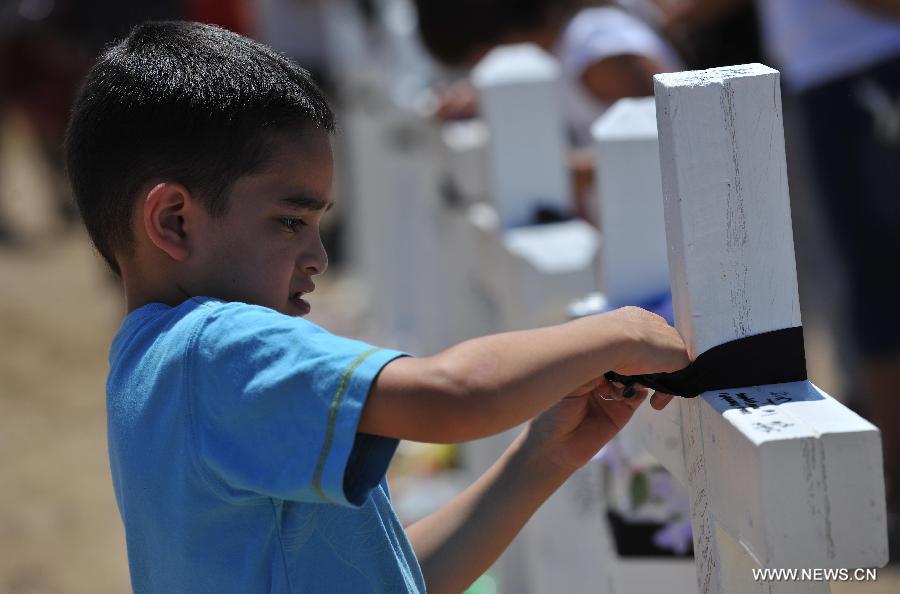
(141, 291)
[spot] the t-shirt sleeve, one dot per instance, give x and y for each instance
(275, 405)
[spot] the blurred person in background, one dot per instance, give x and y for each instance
(46, 48)
(707, 34)
(840, 65)
(606, 53)
(41, 64)
(844, 67)
(234, 15)
(295, 28)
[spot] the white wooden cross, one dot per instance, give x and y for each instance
(628, 207)
(535, 270)
(780, 476)
(518, 96)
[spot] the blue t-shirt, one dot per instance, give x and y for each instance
(235, 458)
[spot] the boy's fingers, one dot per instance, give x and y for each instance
(635, 401)
(613, 393)
(640, 393)
(589, 387)
(659, 400)
(610, 391)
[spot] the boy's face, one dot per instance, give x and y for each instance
(266, 248)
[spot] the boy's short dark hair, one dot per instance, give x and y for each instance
(182, 102)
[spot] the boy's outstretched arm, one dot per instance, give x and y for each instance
(458, 542)
(486, 385)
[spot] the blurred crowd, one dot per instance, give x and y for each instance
(840, 64)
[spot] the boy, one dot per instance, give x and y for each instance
(247, 446)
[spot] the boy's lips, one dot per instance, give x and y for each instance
(300, 303)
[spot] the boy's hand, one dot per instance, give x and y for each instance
(654, 345)
(572, 431)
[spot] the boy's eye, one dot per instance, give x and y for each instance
(291, 224)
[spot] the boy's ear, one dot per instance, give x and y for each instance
(165, 209)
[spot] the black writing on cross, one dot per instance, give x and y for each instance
(772, 426)
(779, 397)
(733, 403)
(728, 399)
(748, 400)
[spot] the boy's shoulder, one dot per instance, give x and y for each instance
(208, 336)
(204, 317)
(204, 335)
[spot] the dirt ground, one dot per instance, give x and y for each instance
(59, 528)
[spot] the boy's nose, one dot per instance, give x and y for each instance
(315, 260)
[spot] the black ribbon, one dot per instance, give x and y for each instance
(775, 357)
